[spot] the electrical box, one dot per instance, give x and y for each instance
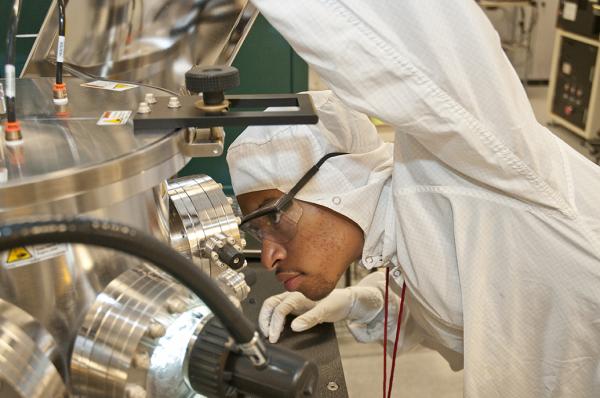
(574, 94)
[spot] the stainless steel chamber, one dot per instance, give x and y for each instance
(82, 321)
(151, 41)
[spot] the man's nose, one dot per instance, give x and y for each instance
(272, 252)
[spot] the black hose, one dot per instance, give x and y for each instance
(11, 55)
(136, 243)
(61, 42)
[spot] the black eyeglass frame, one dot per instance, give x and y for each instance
(283, 202)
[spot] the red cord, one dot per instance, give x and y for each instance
(398, 325)
(385, 327)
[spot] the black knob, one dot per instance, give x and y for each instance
(216, 369)
(231, 256)
(212, 80)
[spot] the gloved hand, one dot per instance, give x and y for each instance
(357, 303)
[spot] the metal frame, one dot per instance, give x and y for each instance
(188, 115)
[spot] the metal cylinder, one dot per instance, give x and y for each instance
(135, 337)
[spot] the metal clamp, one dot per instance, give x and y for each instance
(255, 350)
(206, 142)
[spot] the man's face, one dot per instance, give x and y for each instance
(325, 244)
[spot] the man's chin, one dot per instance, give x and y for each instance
(315, 294)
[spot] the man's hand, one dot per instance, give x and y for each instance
(356, 303)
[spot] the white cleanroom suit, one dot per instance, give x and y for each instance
(493, 221)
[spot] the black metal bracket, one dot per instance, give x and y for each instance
(188, 115)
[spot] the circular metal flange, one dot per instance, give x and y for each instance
(201, 216)
(135, 337)
(26, 355)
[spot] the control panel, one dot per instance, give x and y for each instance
(574, 81)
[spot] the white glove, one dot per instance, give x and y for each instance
(356, 303)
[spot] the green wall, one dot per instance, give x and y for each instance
(33, 13)
(266, 62)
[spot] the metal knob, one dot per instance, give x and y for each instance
(211, 81)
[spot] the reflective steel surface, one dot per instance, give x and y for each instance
(199, 211)
(152, 41)
(68, 164)
(26, 354)
(135, 337)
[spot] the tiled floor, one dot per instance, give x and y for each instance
(421, 373)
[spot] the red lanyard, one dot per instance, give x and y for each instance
(385, 327)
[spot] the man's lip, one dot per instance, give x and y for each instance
(286, 276)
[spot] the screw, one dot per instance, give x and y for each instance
(135, 391)
(214, 256)
(150, 98)
(156, 330)
(332, 386)
(231, 240)
(237, 247)
(243, 242)
(174, 102)
(219, 264)
(220, 244)
(175, 306)
(229, 200)
(144, 108)
(238, 220)
(141, 360)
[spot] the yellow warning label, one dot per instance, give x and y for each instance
(18, 254)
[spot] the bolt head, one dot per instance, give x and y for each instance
(156, 330)
(135, 391)
(141, 360)
(175, 306)
(150, 98)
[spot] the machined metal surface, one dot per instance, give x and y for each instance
(26, 354)
(68, 164)
(135, 337)
(152, 41)
(199, 211)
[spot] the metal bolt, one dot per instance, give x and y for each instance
(150, 98)
(231, 240)
(175, 306)
(237, 247)
(238, 220)
(229, 200)
(332, 386)
(220, 244)
(135, 391)
(219, 264)
(243, 242)
(174, 102)
(141, 360)
(144, 108)
(156, 330)
(214, 256)
(220, 186)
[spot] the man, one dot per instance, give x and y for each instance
(492, 221)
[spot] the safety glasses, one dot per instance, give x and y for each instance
(278, 221)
